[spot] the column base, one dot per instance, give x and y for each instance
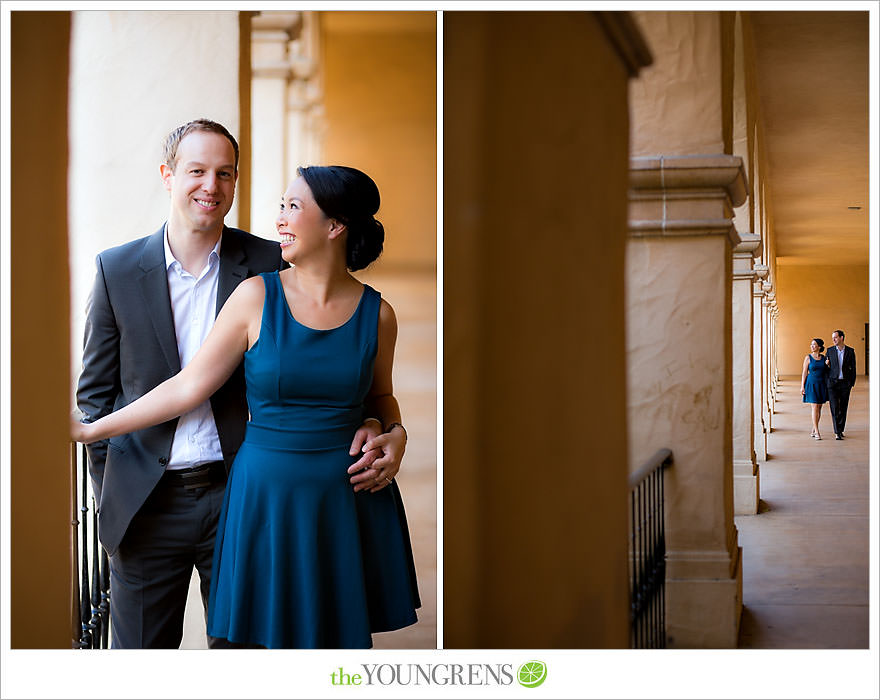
(760, 443)
(704, 613)
(746, 488)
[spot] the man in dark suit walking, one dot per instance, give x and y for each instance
(841, 361)
(154, 300)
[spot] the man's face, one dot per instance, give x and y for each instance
(837, 340)
(202, 184)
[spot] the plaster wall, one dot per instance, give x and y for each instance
(40, 533)
(813, 302)
(135, 76)
(678, 345)
(535, 423)
(381, 117)
(685, 80)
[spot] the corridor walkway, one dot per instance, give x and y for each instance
(805, 555)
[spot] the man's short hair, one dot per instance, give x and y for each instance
(840, 333)
(169, 151)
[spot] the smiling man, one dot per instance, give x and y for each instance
(154, 300)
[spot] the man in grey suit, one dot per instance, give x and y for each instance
(841, 361)
(159, 490)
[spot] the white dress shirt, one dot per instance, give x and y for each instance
(193, 304)
(840, 360)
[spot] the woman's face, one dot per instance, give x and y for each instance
(814, 346)
(300, 223)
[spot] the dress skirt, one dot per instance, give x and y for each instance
(301, 561)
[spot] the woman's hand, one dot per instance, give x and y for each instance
(392, 446)
(803, 391)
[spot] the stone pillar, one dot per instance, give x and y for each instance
(535, 546)
(42, 573)
(679, 369)
(759, 371)
(271, 34)
(769, 389)
(305, 98)
(745, 468)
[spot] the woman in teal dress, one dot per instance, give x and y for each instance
(302, 559)
(813, 386)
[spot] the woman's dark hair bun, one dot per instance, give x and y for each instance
(351, 197)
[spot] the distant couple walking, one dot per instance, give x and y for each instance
(829, 377)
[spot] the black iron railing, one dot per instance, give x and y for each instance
(91, 561)
(648, 554)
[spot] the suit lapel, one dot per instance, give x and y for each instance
(156, 300)
(232, 270)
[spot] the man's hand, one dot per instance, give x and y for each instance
(365, 475)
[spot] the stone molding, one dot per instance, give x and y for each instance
(624, 35)
(686, 195)
(743, 257)
(700, 564)
(289, 22)
(749, 245)
(762, 270)
(273, 37)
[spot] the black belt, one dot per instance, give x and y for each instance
(196, 477)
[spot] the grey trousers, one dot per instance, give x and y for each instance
(150, 573)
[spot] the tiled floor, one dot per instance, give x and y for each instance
(805, 554)
(413, 296)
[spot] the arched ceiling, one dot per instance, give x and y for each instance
(812, 76)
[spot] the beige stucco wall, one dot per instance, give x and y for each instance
(135, 76)
(379, 73)
(684, 80)
(813, 302)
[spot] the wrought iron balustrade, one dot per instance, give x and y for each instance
(648, 553)
(92, 593)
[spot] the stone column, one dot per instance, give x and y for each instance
(271, 33)
(679, 369)
(767, 351)
(745, 468)
(772, 313)
(42, 573)
(535, 550)
(759, 370)
(305, 95)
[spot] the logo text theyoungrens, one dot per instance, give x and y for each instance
(425, 674)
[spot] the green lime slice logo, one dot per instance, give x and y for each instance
(532, 673)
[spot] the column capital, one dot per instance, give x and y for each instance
(288, 22)
(272, 33)
(672, 196)
(749, 245)
(762, 271)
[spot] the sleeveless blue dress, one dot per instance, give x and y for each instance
(815, 388)
(301, 560)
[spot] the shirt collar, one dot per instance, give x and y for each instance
(169, 256)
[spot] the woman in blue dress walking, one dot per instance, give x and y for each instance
(302, 559)
(813, 385)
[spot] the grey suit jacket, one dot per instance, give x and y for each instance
(130, 347)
